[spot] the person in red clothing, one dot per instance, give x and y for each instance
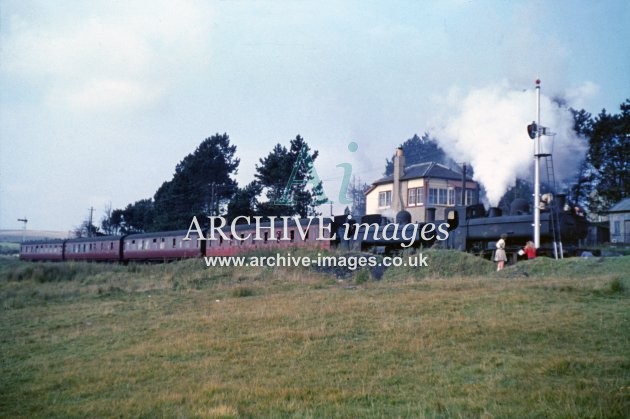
(529, 250)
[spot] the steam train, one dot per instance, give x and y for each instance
(561, 229)
(471, 229)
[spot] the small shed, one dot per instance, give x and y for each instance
(619, 219)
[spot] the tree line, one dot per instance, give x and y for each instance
(203, 183)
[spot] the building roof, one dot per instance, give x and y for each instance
(424, 170)
(621, 206)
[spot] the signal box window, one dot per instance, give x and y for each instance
(415, 196)
(384, 199)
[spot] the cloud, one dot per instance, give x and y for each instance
(487, 128)
(107, 94)
(108, 59)
(578, 96)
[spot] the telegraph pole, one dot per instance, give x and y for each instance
(24, 221)
(90, 222)
(212, 199)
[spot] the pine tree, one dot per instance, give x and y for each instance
(286, 177)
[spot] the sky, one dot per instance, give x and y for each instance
(100, 100)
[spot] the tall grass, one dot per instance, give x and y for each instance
(540, 339)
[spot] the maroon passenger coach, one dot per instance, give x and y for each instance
(41, 250)
(96, 249)
(305, 235)
(161, 246)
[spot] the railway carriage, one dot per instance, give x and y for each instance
(307, 234)
(161, 246)
(42, 250)
(96, 249)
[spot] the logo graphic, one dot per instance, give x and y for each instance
(313, 179)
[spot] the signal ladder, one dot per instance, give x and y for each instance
(554, 216)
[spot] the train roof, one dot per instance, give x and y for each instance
(93, 239)
(36, 242)
(278, 223)
(170, 233)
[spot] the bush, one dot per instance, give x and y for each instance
(616, 286)
(361, 276)
(239, 292)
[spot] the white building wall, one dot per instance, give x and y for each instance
(371, 199)
(620, 228)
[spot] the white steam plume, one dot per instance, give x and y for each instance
(487, 128)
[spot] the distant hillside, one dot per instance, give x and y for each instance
(15, 236)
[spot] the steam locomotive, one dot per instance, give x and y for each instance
(561, 228)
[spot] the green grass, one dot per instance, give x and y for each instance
(540, 339)
(9, 248)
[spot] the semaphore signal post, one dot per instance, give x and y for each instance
(537, 170)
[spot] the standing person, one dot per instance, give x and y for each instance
(499, 256)
(529, 250)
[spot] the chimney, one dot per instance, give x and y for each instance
(399, 171)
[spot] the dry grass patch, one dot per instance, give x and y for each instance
(302, 344)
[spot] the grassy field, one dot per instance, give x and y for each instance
(540, 339)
